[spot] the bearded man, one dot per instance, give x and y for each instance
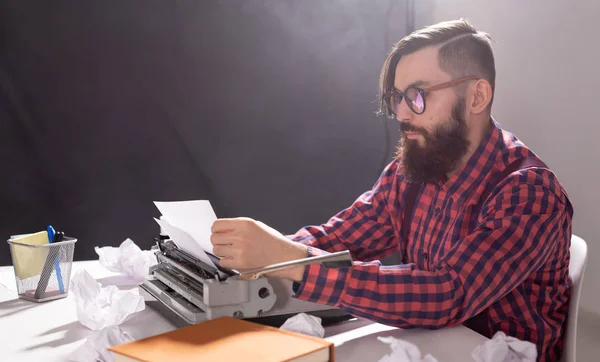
(482, 225)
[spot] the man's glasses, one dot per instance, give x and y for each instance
(415, 97)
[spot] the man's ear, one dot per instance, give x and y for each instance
(481, 96)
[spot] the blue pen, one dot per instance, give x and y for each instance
(51, 234)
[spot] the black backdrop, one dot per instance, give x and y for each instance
(267, 108)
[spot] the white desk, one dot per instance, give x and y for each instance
(50, 331)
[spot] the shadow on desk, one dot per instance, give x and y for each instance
(74, 332)
(137, 326)
(14, 306)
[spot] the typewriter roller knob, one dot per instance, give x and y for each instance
(263, 292)
(238, 314)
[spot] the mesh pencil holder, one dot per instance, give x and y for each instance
(42, 272)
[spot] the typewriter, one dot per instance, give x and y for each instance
(187, 290)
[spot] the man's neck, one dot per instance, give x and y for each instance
(476, 136)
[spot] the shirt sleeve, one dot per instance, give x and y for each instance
(519, 227)
(365, 228)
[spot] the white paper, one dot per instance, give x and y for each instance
(195, 217)
(185, 242)
(128, 259)
(502, 348)
(403, 351)
(98, 307)
(305, 324)
(96, 345)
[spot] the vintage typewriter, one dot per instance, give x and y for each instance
(187, 290)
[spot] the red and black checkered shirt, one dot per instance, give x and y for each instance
(509, 261)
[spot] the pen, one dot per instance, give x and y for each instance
(54, 237)
(40, 291)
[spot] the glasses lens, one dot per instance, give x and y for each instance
(415, 100)
(395, 99)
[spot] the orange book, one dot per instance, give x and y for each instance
(226, 339)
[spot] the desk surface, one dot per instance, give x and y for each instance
(50, 331)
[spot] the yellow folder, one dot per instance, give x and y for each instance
(29, 262)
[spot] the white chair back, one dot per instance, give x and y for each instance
(576, 271)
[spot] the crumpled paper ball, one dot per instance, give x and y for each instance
(403, 351)
(503, 348)
(128, 259)
(99, 307)
(95, 348)
(305, 324)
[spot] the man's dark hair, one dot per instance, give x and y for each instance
(463, 51)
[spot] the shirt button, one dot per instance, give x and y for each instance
(437, 211)
(425, 256)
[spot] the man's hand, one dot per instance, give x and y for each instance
(244, 243)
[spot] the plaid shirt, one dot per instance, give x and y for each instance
(510, 260)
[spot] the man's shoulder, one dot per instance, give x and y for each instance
(392, 170)
(388, 177)
(533, 171)
(511, 147)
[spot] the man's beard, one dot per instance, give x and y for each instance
(442, 151)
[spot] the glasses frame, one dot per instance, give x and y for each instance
(423, 92)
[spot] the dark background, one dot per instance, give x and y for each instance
(266, 108)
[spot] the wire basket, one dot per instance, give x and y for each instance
(42, 272)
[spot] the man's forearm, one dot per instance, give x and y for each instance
(294, 252)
